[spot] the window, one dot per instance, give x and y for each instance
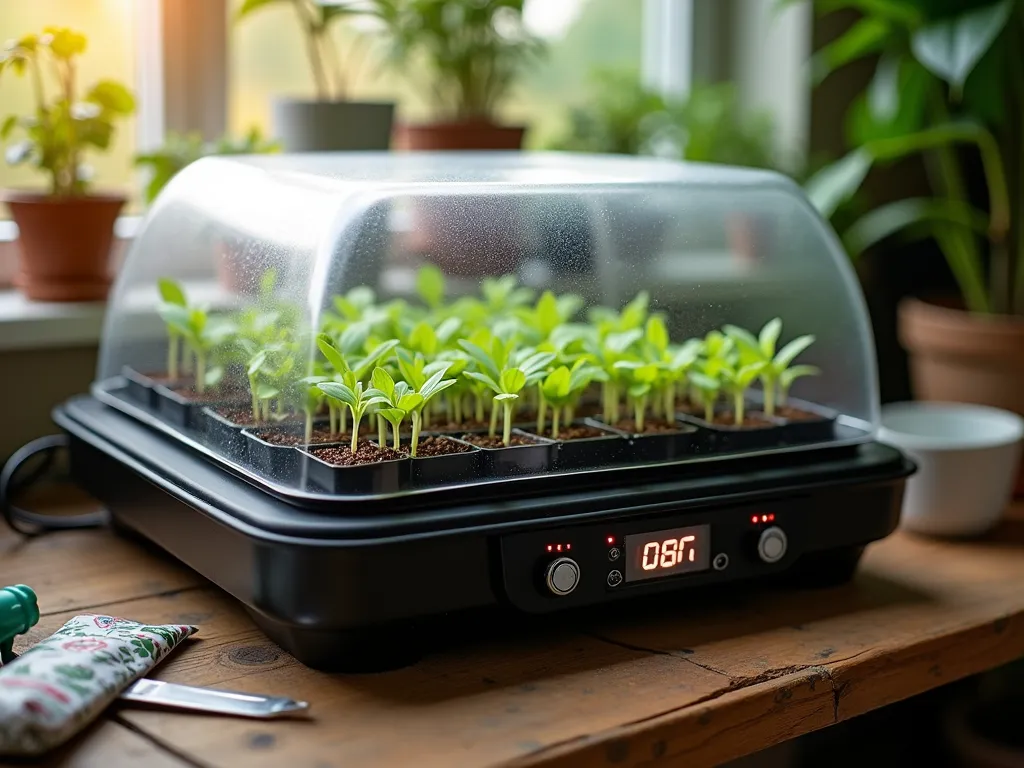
(267, 59)
(110, 28)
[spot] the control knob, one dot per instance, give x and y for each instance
(772, 545)
(562, 575)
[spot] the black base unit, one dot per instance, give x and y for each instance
(357, 587)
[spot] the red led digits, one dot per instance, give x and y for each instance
(558, 547)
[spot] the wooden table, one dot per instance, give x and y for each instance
(696, 685)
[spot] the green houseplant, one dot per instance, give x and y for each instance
(180, 150)
(65, 233)
(948, 87)
(331, 121)
(470, 53)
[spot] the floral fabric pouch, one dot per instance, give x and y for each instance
(59, 686)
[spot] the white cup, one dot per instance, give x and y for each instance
(967, 458)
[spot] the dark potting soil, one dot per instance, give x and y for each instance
(210, 396)
(366, 453)
(750, 420)
(796, 414)
(651, 427)
(580, 433)
(452, 426)
(438, 446)
(160, 378)
(294, 436)
(588, 409)
(235, 414)
(483, 441)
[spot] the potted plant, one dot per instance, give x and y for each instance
(469, 53)
(65, 233)
(330, 121)
(948, 87)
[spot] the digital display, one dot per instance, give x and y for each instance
(667, 553)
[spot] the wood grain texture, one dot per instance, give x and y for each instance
(702, 681)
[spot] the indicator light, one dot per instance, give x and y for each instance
(559, 548)
(610, 539)
(764, 518)
(568, 547)
(771, 518)
(753, 519)
(550, 547)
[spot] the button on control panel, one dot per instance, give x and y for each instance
(614, 578)
(772, 545)
(562, 575)
(614, 554)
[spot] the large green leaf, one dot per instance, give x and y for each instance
(338, 391)
(835, 184)
(249, 6)
(888, 220)
(894, 102)
(171, 292)
(112, 97)
(865, 37)
(952, 47)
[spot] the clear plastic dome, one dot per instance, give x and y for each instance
(484, 318)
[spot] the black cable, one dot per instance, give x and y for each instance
(11, 484)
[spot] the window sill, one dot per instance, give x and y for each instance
(28, 324)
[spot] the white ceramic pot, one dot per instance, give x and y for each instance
(967, 457)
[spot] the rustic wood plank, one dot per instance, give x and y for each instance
(83, 569)
(109, 744)
(700, 681)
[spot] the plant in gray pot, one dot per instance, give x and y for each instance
(330, 121)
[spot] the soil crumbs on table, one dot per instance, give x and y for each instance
(581, 433)
(651, 427)
(750, 420)
(483, 441)
(366, 453)
(439, 446)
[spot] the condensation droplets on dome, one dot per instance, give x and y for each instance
(671, 283)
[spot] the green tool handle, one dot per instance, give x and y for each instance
(19, 612)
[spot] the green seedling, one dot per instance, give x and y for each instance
(506, 388)
(762, 349)
(347, 374)
(639, 378)
(736, 380)
(708, 386)
(172, 297)
(788, 376)
(503, 294)
(416, 371)
(607, 352)
(432, 387)
(563, 387)
(204, 334)
(430, 286)
(354, 398)
(396, 401)
(312, 400)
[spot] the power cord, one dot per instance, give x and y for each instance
(13, 482)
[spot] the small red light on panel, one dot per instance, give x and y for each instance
(550, 547)
(568, 547)
(559, 547)
(753, 519)
(611, 539)
(764, 518)
(771, 518)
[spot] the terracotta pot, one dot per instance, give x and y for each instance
(65, 244)
(959, 356)
(459, 135)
